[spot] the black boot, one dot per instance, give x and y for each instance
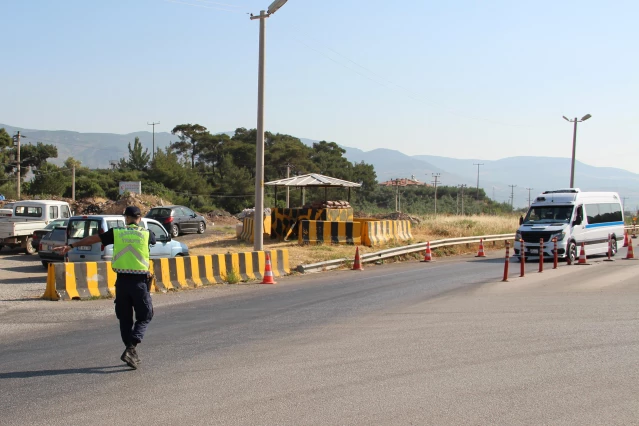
(134, 352)
(129, 358)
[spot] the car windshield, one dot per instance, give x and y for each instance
(55, 223)
(549, 214)
(159, 212)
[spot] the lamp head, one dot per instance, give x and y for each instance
(586, 117)
(275, 6)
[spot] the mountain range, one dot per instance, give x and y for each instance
(500, 179)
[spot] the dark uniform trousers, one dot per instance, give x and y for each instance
(132, 294)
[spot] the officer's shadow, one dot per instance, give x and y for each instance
(43, 373)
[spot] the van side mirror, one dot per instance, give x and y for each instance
(521, 220)
(577, 221)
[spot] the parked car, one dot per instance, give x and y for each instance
(178, 219)
(83, 226)
(7, 210)
(40, 233)
(53, 238)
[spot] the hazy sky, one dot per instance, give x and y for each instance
(464, 79)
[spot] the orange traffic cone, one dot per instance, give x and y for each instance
(481, 253)
(582, 255)
(357, 266)
(625, 239)
(268, 272)
(631, 252)
(428, 257)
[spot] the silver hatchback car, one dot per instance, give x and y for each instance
(80, 227)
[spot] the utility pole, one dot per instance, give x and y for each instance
(512, 195)
(478, 164)
(73, 184)
(494, 193)
(529, 189)
(288, 174)
(574, 145)
(462, 197)
(623, 203)
(436, 177)
(18, 182)
(153, 152)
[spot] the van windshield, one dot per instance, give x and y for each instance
(549, 214)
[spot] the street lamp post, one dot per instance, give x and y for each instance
(258, 218)
(574, 145)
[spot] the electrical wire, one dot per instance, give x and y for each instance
(204, 6)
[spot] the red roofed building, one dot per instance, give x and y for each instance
(403, 182)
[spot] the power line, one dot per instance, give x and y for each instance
(406, 91)
(205, 6)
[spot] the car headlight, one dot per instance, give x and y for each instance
(560, 236)
(517, 236)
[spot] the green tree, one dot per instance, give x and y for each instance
(190, 137)
(49, 180)
(138, 159)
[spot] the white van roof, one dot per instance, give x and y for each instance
(573, 195)
(39, 202)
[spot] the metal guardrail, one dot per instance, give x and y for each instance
(398, 251)
(413, 248)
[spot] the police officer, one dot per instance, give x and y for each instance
(131, 263)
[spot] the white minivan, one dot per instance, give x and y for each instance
(573, 217)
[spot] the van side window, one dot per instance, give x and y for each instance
(53, 212)
(65, 212)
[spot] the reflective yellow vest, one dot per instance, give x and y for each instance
(130, 250)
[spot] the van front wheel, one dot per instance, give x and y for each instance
(613, 246)
(572, 252)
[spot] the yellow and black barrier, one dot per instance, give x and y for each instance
(248, 226)
(68, 281)
(283, 220)
(320, 232)
(378, 232)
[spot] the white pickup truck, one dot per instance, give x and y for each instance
(6, 210)
(29, 216)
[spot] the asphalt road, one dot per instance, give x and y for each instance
(411, 343)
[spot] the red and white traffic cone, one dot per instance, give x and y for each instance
(357, 266)
(428, 257)
(582, 255)
(268, 272)
(631, 252)
(625, 239)
(481, 252)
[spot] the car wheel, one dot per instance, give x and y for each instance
(45, 264)
(30, 249)
(613, 246)
(175, 231)
(201, 228)
(572, 252)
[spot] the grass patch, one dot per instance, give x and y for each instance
(232, 277)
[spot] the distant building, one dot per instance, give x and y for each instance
(412, 181)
